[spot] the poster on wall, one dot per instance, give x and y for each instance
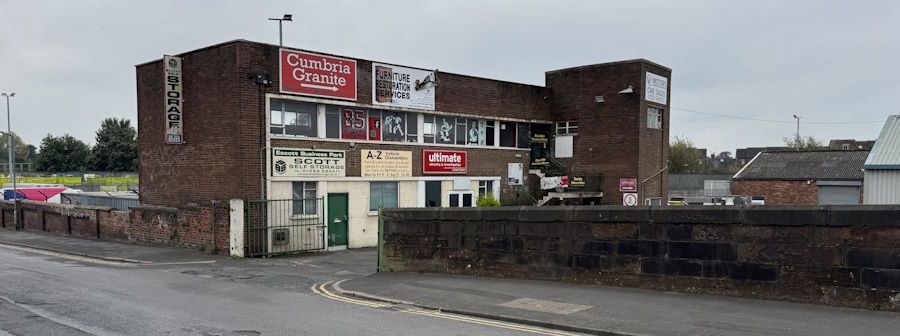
(656, 88)
(374, 128)
(445, 132)
(316, 75)
(443, 162)
(628, 184)
(353, 125)
(514, 174)
(173, 97)
(477, 129)
(393, 125)
(288, 162)
(403, 87)
(385, 163)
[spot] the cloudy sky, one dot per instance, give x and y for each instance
(741, 69)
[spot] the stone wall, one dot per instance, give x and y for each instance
(189, 226)
(838, 255)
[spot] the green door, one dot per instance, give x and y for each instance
(337, 219)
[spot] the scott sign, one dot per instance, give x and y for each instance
(317, 75)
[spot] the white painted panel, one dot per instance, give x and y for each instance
(564, 146)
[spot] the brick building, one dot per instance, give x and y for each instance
(250, 120)
(803, 178)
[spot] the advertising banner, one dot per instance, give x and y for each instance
(310, 74)
(402, 87)
(384, 163)
(173, 96)
(656, 88)
(353, 125)
(308, 163)
(514, 174)
(443, 162)
(628, 184)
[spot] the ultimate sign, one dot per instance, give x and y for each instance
(317, 75)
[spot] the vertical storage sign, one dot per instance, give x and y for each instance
(173, 98)
(317, 75)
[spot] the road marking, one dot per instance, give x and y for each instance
(100, 261)
(320, 289)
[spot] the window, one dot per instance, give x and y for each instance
(460, 199)
(412, 127)
(523, 135)
(460, 131)
(332, 122)
(429, 129)
(292, 118)
(382, 195)
(507, 134)
(845, 146)
(485, 188)
(445, 133)
(489, 133)
(567, 128)
(654, 117)
(304, 196)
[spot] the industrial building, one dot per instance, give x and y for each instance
(882, 167)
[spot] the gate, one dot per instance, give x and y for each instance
(284, 226)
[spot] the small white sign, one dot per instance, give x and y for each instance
(656, 88)
(629, 199)
(514, 176)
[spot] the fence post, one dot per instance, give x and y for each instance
(236, 232)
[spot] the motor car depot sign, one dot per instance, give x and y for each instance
(443, 162)
(385, 163)
(656, 88)
(311, 74)
(308, 163)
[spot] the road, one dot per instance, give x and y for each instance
(54, 295)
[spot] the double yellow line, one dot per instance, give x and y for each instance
(321, 289)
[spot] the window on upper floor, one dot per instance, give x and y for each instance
(293, 118)
(567, 128)
(654, 117)
(507, 134)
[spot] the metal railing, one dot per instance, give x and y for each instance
(121, 203)
(284, 226)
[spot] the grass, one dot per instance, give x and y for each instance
(133, 180)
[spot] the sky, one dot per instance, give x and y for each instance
(740, 69)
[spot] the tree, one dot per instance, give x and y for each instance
(20, 148)
(683, 157)
(800, 143)
(62, 154)
(116, 146)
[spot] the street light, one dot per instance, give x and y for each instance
(286, 17)
(798, 124)
(12, 170)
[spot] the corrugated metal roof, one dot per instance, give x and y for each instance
(817, 165)
(886, 152)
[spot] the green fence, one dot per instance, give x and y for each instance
(284, 226)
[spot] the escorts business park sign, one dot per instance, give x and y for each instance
(311, 74)
(173, 92)
(443, 162)
(308, 163)
(403, 87)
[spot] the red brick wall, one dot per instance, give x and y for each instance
(779, 192)
(186, 226)
(613, 138)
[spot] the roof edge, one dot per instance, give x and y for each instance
(636, 60)
(736, 175)
(891, 119)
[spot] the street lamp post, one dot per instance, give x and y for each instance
(798, 132)
(12, 169)
(286, 17)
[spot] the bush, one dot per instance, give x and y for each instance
(487, 201)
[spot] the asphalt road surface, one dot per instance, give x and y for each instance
(54, 295)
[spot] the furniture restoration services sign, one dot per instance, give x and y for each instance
(402, 87)
(310, 74)
(443, 162)
(173, 92)
(385, 163)
(656, 88)
(308, 163)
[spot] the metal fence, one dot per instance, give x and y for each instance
(121, 203)
(284, 226)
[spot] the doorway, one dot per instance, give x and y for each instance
(432, 194)
(338, 216)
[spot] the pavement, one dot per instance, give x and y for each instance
(584, 309)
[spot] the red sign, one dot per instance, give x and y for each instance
(316, 75)
(443, 162)
(627, 184)
(374, 128)
(354, 125)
